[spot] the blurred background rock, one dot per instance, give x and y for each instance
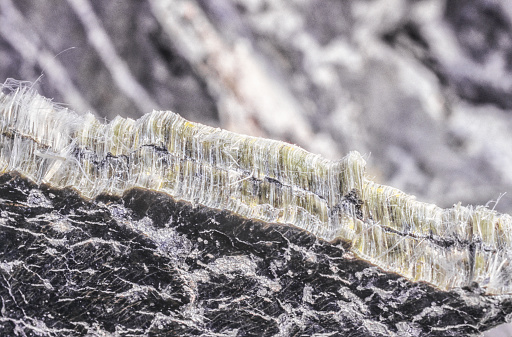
(423, 88)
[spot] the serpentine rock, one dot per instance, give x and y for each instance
(175, 222)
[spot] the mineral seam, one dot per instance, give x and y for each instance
(259, 179)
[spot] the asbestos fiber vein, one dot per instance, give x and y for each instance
(256, 178)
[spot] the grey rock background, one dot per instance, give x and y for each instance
(422, 87)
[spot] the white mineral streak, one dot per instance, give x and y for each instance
(259, 179)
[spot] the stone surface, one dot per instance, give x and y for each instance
(422, 86)
(146, 265)
(259, 179)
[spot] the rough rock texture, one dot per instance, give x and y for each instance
(424, 86)
(145, 265)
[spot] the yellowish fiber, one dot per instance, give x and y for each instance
(260, 179)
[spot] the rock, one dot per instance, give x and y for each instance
(422, 87)
(161, 226)
(144, 264)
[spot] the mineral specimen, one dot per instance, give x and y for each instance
(173, 222)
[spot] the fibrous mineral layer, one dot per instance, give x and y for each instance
(256, 178)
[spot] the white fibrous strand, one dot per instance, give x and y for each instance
(259, 179)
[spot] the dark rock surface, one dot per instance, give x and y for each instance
(146, 265)
(423, 86)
